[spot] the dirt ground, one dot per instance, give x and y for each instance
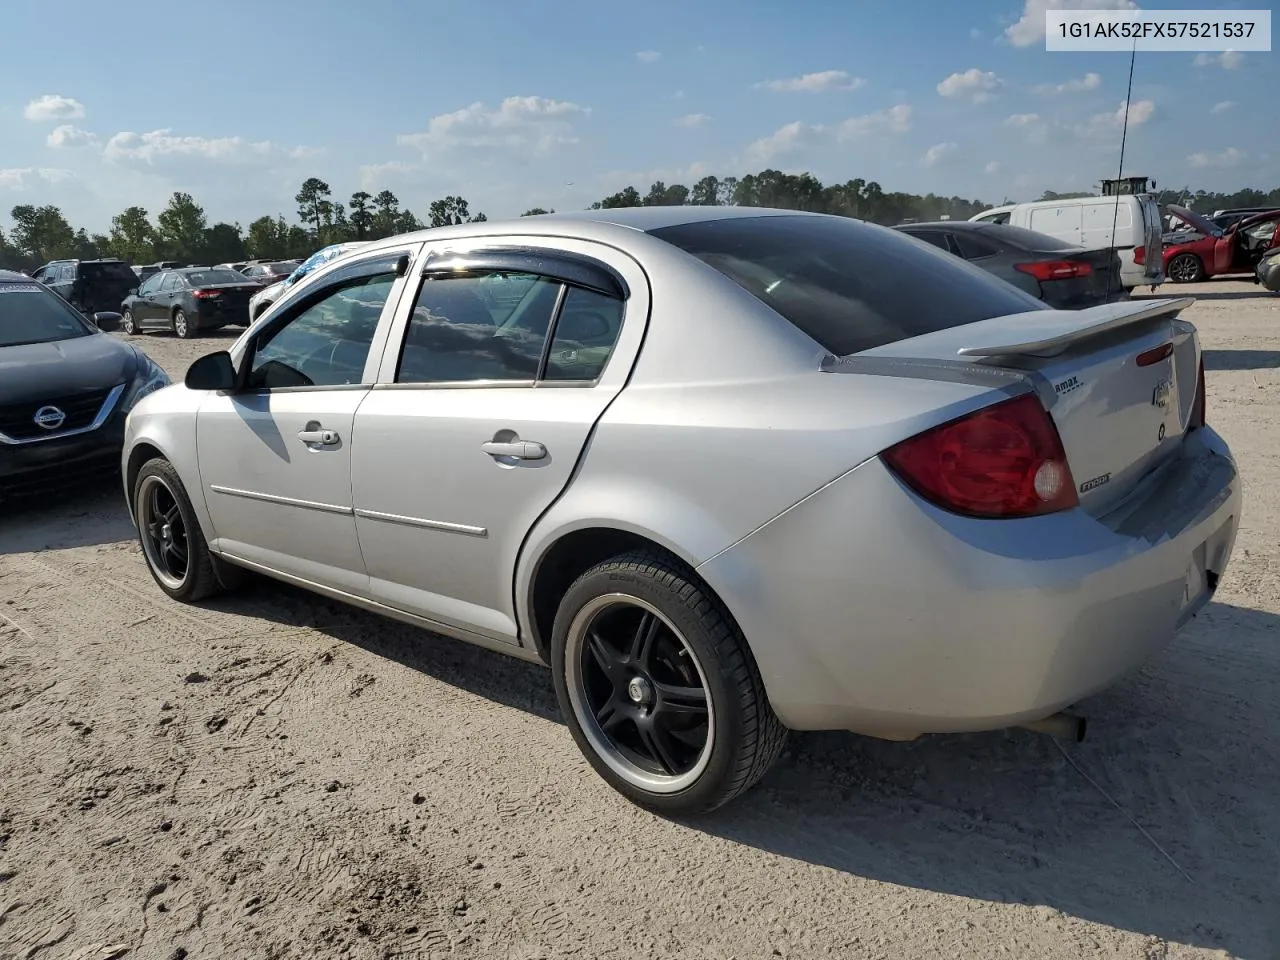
(275, 775)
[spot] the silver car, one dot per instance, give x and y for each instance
(727, 471)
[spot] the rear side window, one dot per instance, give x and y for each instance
(108, 271)
(972, 247)
(849, 285)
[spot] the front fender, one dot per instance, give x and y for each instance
(165, 421)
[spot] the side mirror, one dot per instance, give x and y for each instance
(107, 321)
(212, 372)
(133, 291)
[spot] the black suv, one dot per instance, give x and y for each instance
(90, 286)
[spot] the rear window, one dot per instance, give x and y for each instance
(31, 314)
(284, 267)
(199, 278)
(1027, 239)
(849, 285)
(108, 271)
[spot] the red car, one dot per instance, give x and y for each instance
(1202, 249)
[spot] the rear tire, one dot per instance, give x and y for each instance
(658, 687)
(182, 326)
(1186, 268)
(173, 545)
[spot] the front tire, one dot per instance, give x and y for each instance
(658, 687)
(182, 326)
(173, 544)
(127, 325)
(1186, 268)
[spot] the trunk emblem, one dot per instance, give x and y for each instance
(1160, 396)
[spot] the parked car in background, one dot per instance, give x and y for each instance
(989, 510)
(1201, 249)
(65, 389)
(1052, 270)
(1268, 270)
(271, 271)
(149, 270)
(1086, 222)
(189, 300)
(1225, 218)
(88, 285)
(268, 295)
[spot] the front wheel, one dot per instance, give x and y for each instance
(658, 687)
(1186, 268)
(183, 327)
(173, 545)
(127, 324)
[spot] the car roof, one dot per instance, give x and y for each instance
(13, 276)
(601, 225)
(973, 225)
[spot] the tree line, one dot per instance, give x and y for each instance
(182, 232)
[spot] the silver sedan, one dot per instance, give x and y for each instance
(727, 471)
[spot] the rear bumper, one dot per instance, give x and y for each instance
(869, 610)
(211, 315)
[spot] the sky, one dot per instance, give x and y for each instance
(561, 102)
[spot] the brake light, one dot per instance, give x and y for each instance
(1197, 407)
(1140, 255)
(1055, 269)
(1003, 461)
(207, 294)
(1154, 355)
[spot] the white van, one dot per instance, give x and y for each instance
(1086, 222)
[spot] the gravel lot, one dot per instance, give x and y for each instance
(275, 775)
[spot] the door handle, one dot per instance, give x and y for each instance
(326, 438)
(516, 449)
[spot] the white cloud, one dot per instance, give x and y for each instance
(975, 33)
(1140, 111)
(163, 144)
(1090, 81)
(783, 140)
(992, 167)
(1227, 60)
(897, 119)
(1022, 119)
(648, 56)
(679, 95)
(822, 82)
(18, 178)
(1230, 157)
(973, 83)
(1222, 106)
(692, 120)
(53, 106)
(1029, 29)
(68, 135)
(938, 153)
(518, 123)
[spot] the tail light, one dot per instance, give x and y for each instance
(1140, 255)
(1197, 407)
(1055, 269)
(1003, 461)
(207, 294)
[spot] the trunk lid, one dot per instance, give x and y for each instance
(1119, 381)
(1101, 285)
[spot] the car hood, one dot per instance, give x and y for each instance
(272, 291)
(37, 370)
(1195, 221)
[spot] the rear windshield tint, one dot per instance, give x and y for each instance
(849, 285)
(1021, 237)
(108, 271)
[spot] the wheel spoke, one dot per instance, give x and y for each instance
(655, 741)
(687, 701)
(154, 506)
(610, 715)
(172, 515)
(603, 654)
(642, 642)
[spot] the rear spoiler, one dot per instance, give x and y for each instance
(1047, 332)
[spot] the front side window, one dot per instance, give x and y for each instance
(327, 342)
(485, 326)
(150, 285)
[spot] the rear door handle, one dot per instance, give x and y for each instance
(516, 449)
(326, 438)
